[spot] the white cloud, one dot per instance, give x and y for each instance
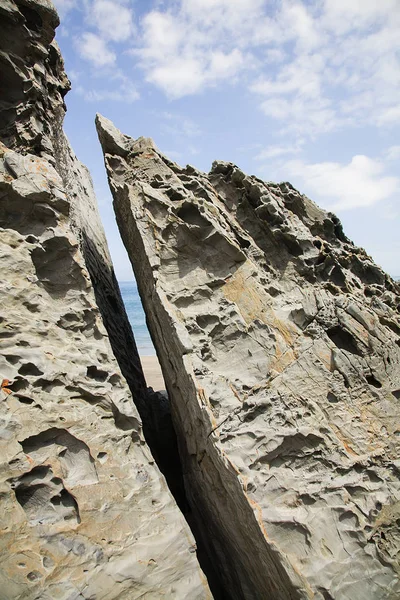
(393, 153)
(179, 76)
(313, 67)
(64, 6)
(179, 125)
(275, 55)
(223, 65)
(291, 49)
(348, 73)
(361, 183)
(389, 115)
(342, 16)
(199, 44)
(121, 89)
(222, 15)
(299, 24)
(272, 152)
(113, 20)
(94, 49)
(117, 95)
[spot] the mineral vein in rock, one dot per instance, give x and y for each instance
(279, 342)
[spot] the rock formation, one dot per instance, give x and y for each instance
(279, 342)
(84, 511)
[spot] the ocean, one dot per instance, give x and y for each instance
(136, 316)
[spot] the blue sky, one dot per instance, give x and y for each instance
(306, 91)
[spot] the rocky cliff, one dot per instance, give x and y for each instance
(280, 347)
(84, 512)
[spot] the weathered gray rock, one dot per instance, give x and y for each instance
(279, 343)
(84, 511)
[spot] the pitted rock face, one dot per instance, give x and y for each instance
(33, 80)
(280, 344)
(83, 507)
(84, 511)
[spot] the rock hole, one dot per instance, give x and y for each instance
(174, 195)
(48, 386)
(115, 379)
(290, 242)
(374, 477)
(332, 398)
(206, 321)
(23, 343)
(33, 19)
(56, 266)
(337, 276)
(31, 306)
(31, 239)
(34, 576)
(12, 359)
(102, 457)
(368, 292)
(30, 369)
(337, 227)
(156, 183)
(191, 215)
(343, 340)
(321, 258)
(75, 458)
(6, 334)
(24, 399)
(48, 562)
(36, 492)
(373, 381)
(347, 516)
(396, 394)
(243, 243)
(94, 373)
(307, 499)
(27, 495)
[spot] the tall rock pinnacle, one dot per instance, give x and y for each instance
(280, 346)
(84, 511)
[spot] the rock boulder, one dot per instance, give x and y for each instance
(84, 511)
(280, 347)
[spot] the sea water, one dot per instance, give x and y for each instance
(136, 316)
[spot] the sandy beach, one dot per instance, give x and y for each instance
(152, 372)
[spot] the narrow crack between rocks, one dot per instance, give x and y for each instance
(153, 407)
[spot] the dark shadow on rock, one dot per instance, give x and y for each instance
(153, 407)
(115, 319)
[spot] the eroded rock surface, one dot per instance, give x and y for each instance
(84, 511)
(280, 347)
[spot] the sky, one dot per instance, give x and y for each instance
(306, 91)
